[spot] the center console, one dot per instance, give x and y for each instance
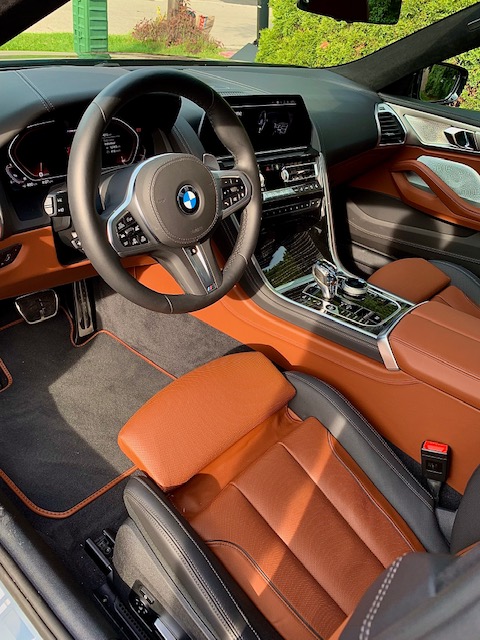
(295, 257)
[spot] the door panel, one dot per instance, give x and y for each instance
(382, 227)
(389, 215)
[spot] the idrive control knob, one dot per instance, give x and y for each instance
(354, 287)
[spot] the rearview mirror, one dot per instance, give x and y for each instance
(441, 83)
(374, 11)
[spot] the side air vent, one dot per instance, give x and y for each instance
(390, 127)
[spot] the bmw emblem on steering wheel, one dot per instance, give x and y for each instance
(188, 200)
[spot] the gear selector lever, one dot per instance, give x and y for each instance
(325, 274)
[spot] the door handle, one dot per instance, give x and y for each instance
(461, 138)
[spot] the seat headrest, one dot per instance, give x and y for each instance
(196, 418)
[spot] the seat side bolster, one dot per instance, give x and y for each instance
(466, 528)
(372, 454)
(410, 581)
(193, 565)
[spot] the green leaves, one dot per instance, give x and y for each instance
(314, 41)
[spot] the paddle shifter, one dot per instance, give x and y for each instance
(325, 274)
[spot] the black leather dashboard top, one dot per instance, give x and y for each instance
(342, 111)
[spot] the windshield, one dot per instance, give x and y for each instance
(217, 29)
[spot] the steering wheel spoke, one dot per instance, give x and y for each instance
(195, 268)
(235, 190)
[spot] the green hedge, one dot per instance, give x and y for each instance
(303, 39)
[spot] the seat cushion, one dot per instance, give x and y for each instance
(298, 524)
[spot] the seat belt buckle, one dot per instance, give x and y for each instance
(435, 460)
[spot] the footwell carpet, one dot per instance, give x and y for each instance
(63, 409)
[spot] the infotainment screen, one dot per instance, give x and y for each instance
(272, 123)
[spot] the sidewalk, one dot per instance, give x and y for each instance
(235, 24)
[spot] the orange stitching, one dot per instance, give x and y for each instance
(3, 366)
(58, 515)
(8, 375)
(119, 340)
(9, 482)
(12, 324)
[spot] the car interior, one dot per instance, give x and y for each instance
(240, 349)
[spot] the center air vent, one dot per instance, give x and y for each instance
(391, 129)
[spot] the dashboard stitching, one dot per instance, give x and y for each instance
(101, 111)
(235, 82)
(45, 101)
(183, 140)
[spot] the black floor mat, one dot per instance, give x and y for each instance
(179, 343)
(63, 411)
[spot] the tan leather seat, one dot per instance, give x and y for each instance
(279, 479)
(418, 280)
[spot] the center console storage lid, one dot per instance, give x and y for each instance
(440, 346)
(413, 279)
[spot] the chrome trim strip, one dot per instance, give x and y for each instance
(200, 264)
(298, 282)
(386, 352)
(383, 343)
(277, 153)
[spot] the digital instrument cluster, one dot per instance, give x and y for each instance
(39, 154)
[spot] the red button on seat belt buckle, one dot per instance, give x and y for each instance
(435, 460)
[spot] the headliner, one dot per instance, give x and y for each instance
(18, 15)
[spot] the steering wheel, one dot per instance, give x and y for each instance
(167, 206)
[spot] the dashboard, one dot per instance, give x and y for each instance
(294, 118)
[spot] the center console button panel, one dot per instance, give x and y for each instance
(372, 311)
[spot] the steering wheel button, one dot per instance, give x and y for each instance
(143, 239)
(128, 218)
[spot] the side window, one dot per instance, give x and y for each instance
(470, 96)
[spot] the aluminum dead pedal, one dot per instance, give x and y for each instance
(82, 311)
(37, 307)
